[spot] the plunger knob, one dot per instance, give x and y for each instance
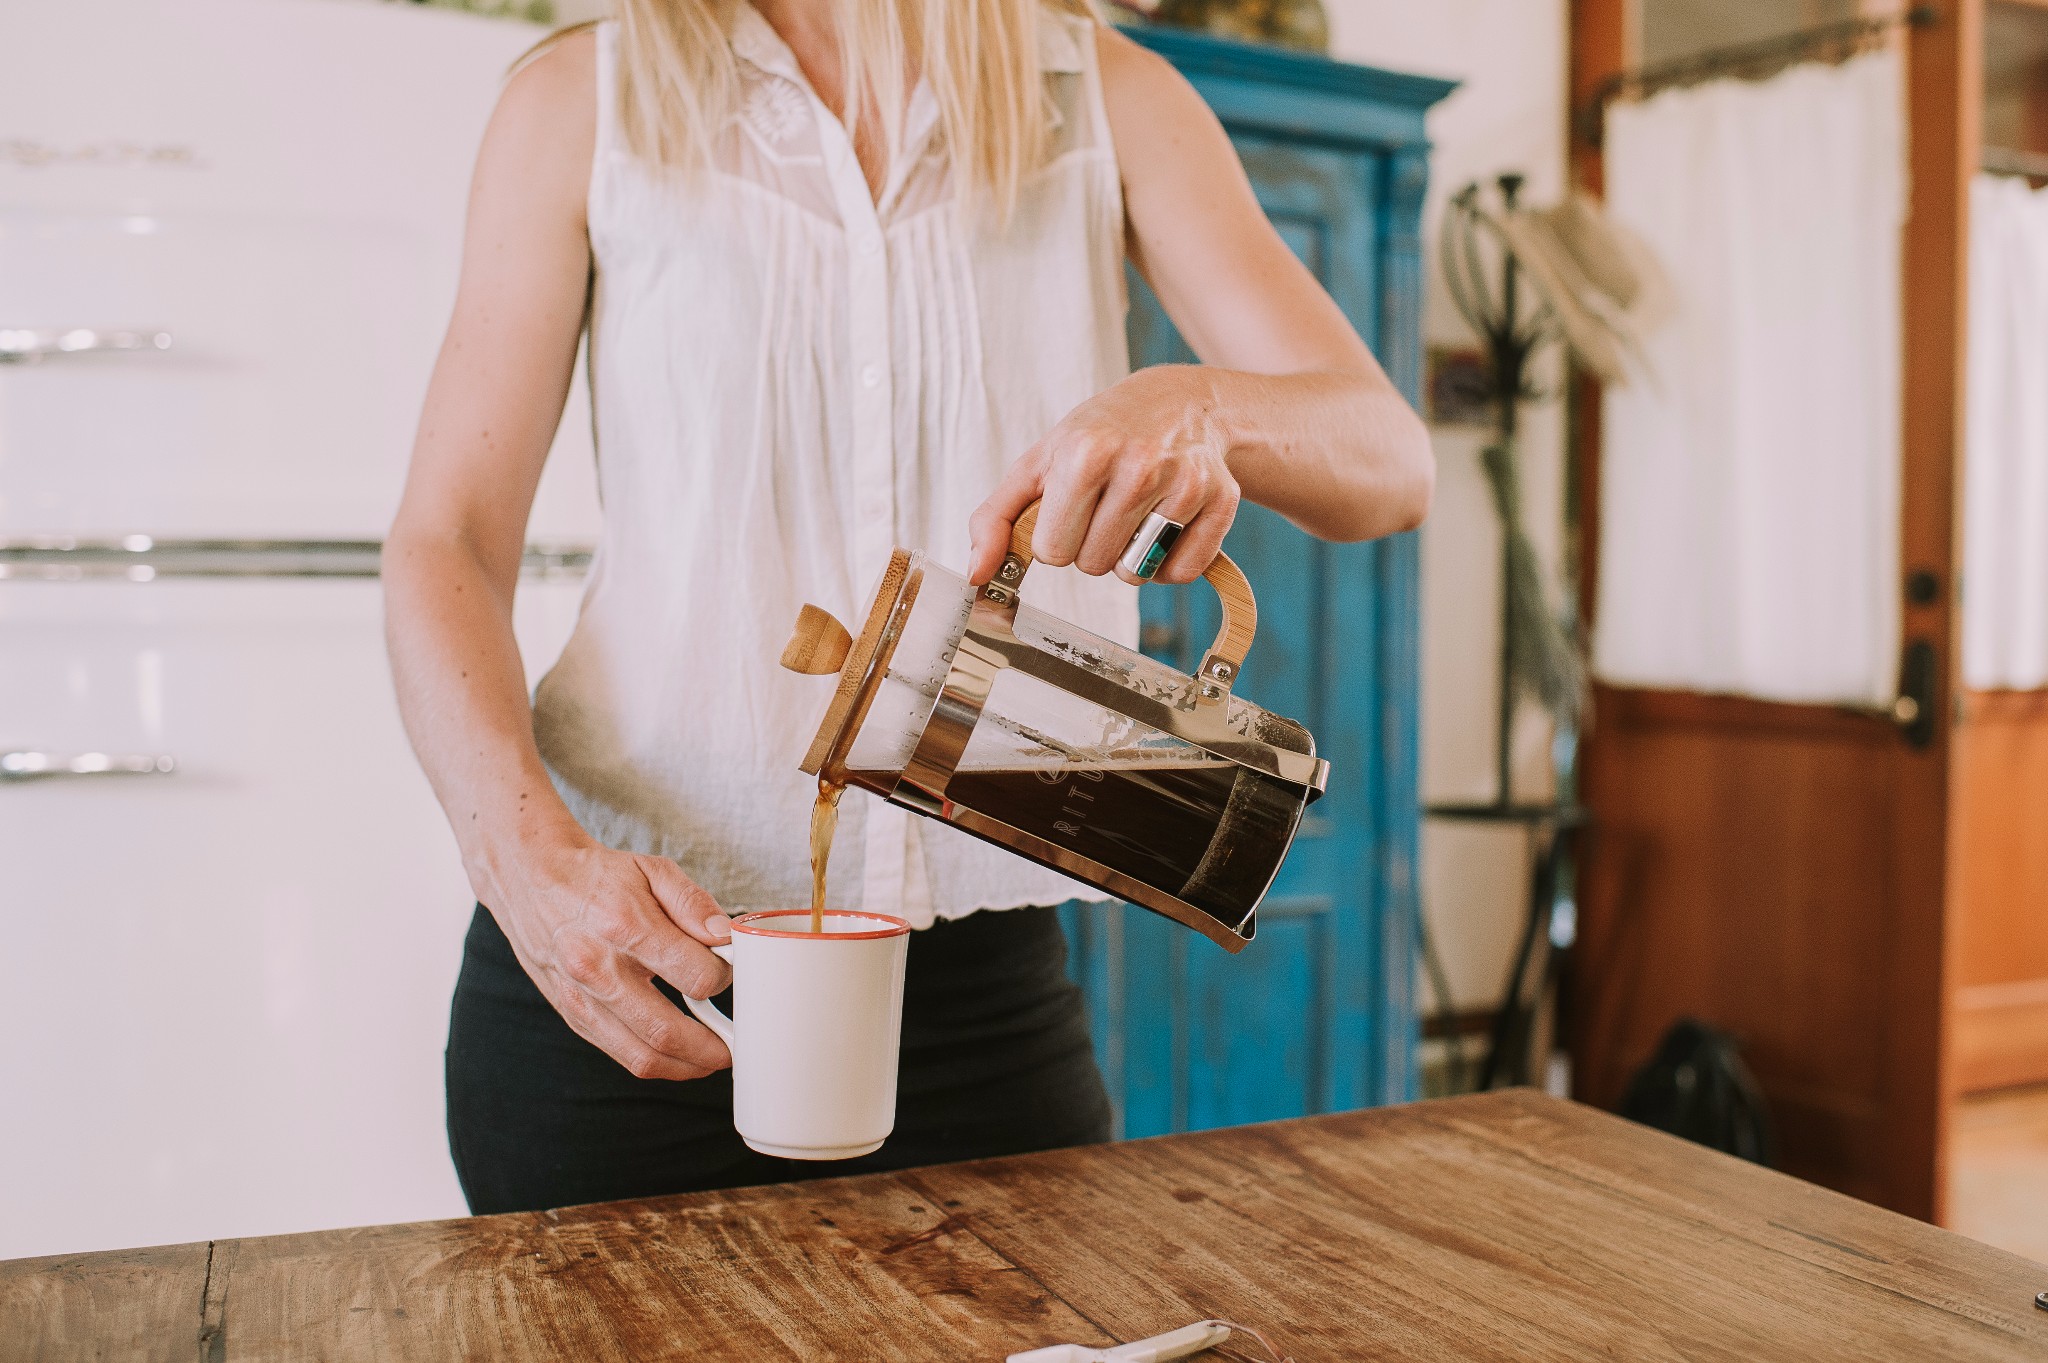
(818, 645)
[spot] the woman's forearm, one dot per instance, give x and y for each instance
(1341, 455)
(1338, 452)
(462, 692)
(591, 927)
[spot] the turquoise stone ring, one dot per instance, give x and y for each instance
(1150, 546)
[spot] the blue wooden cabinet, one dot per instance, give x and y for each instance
(1316, 1014)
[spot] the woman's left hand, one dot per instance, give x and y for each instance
(1154, 442)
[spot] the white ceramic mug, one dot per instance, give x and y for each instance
(814, 1049)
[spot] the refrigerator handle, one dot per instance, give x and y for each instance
(36, 766)
(21, 345)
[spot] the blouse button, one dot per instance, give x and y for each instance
(870, 375)
(870, 245)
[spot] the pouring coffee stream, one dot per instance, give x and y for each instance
(824, 823)
(967, 705)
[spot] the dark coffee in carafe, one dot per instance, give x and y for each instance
(1155, 822)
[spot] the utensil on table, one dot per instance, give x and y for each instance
(1189, 1339)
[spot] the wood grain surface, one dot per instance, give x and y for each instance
(1506, 1226)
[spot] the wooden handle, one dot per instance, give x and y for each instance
(1233, 589)
(1240, 612)
(1021, 532)
(818, 645)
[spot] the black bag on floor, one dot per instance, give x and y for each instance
(1697, 1087)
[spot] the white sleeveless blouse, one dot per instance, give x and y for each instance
(789, 377)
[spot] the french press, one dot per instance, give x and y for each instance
(965, 704)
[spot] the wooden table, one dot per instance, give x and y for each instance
(1504, 1226)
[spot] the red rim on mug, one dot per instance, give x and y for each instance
(744, 923)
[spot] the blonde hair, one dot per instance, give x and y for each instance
(678, 79)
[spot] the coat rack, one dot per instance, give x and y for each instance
(1538, 654)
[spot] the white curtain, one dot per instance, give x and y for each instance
(1749, 523)
(2005, 462)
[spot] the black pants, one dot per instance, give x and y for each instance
(995, 1061)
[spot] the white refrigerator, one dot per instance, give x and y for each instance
(230, 911)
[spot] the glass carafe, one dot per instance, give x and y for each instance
(968, 705)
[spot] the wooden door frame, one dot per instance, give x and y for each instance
(1944, 96)
(1998, 886)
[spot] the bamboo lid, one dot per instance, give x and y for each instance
(818, 637)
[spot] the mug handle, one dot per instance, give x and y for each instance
(1220, 665)
(707, 1011)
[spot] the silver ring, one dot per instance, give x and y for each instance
(1150, 546)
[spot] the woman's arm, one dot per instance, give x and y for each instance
(1288, 408)
(591, 926)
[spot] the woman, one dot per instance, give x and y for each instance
(851, 272)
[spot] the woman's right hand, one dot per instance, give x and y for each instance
(593, 927)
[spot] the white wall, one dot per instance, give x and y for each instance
(1508, 115)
